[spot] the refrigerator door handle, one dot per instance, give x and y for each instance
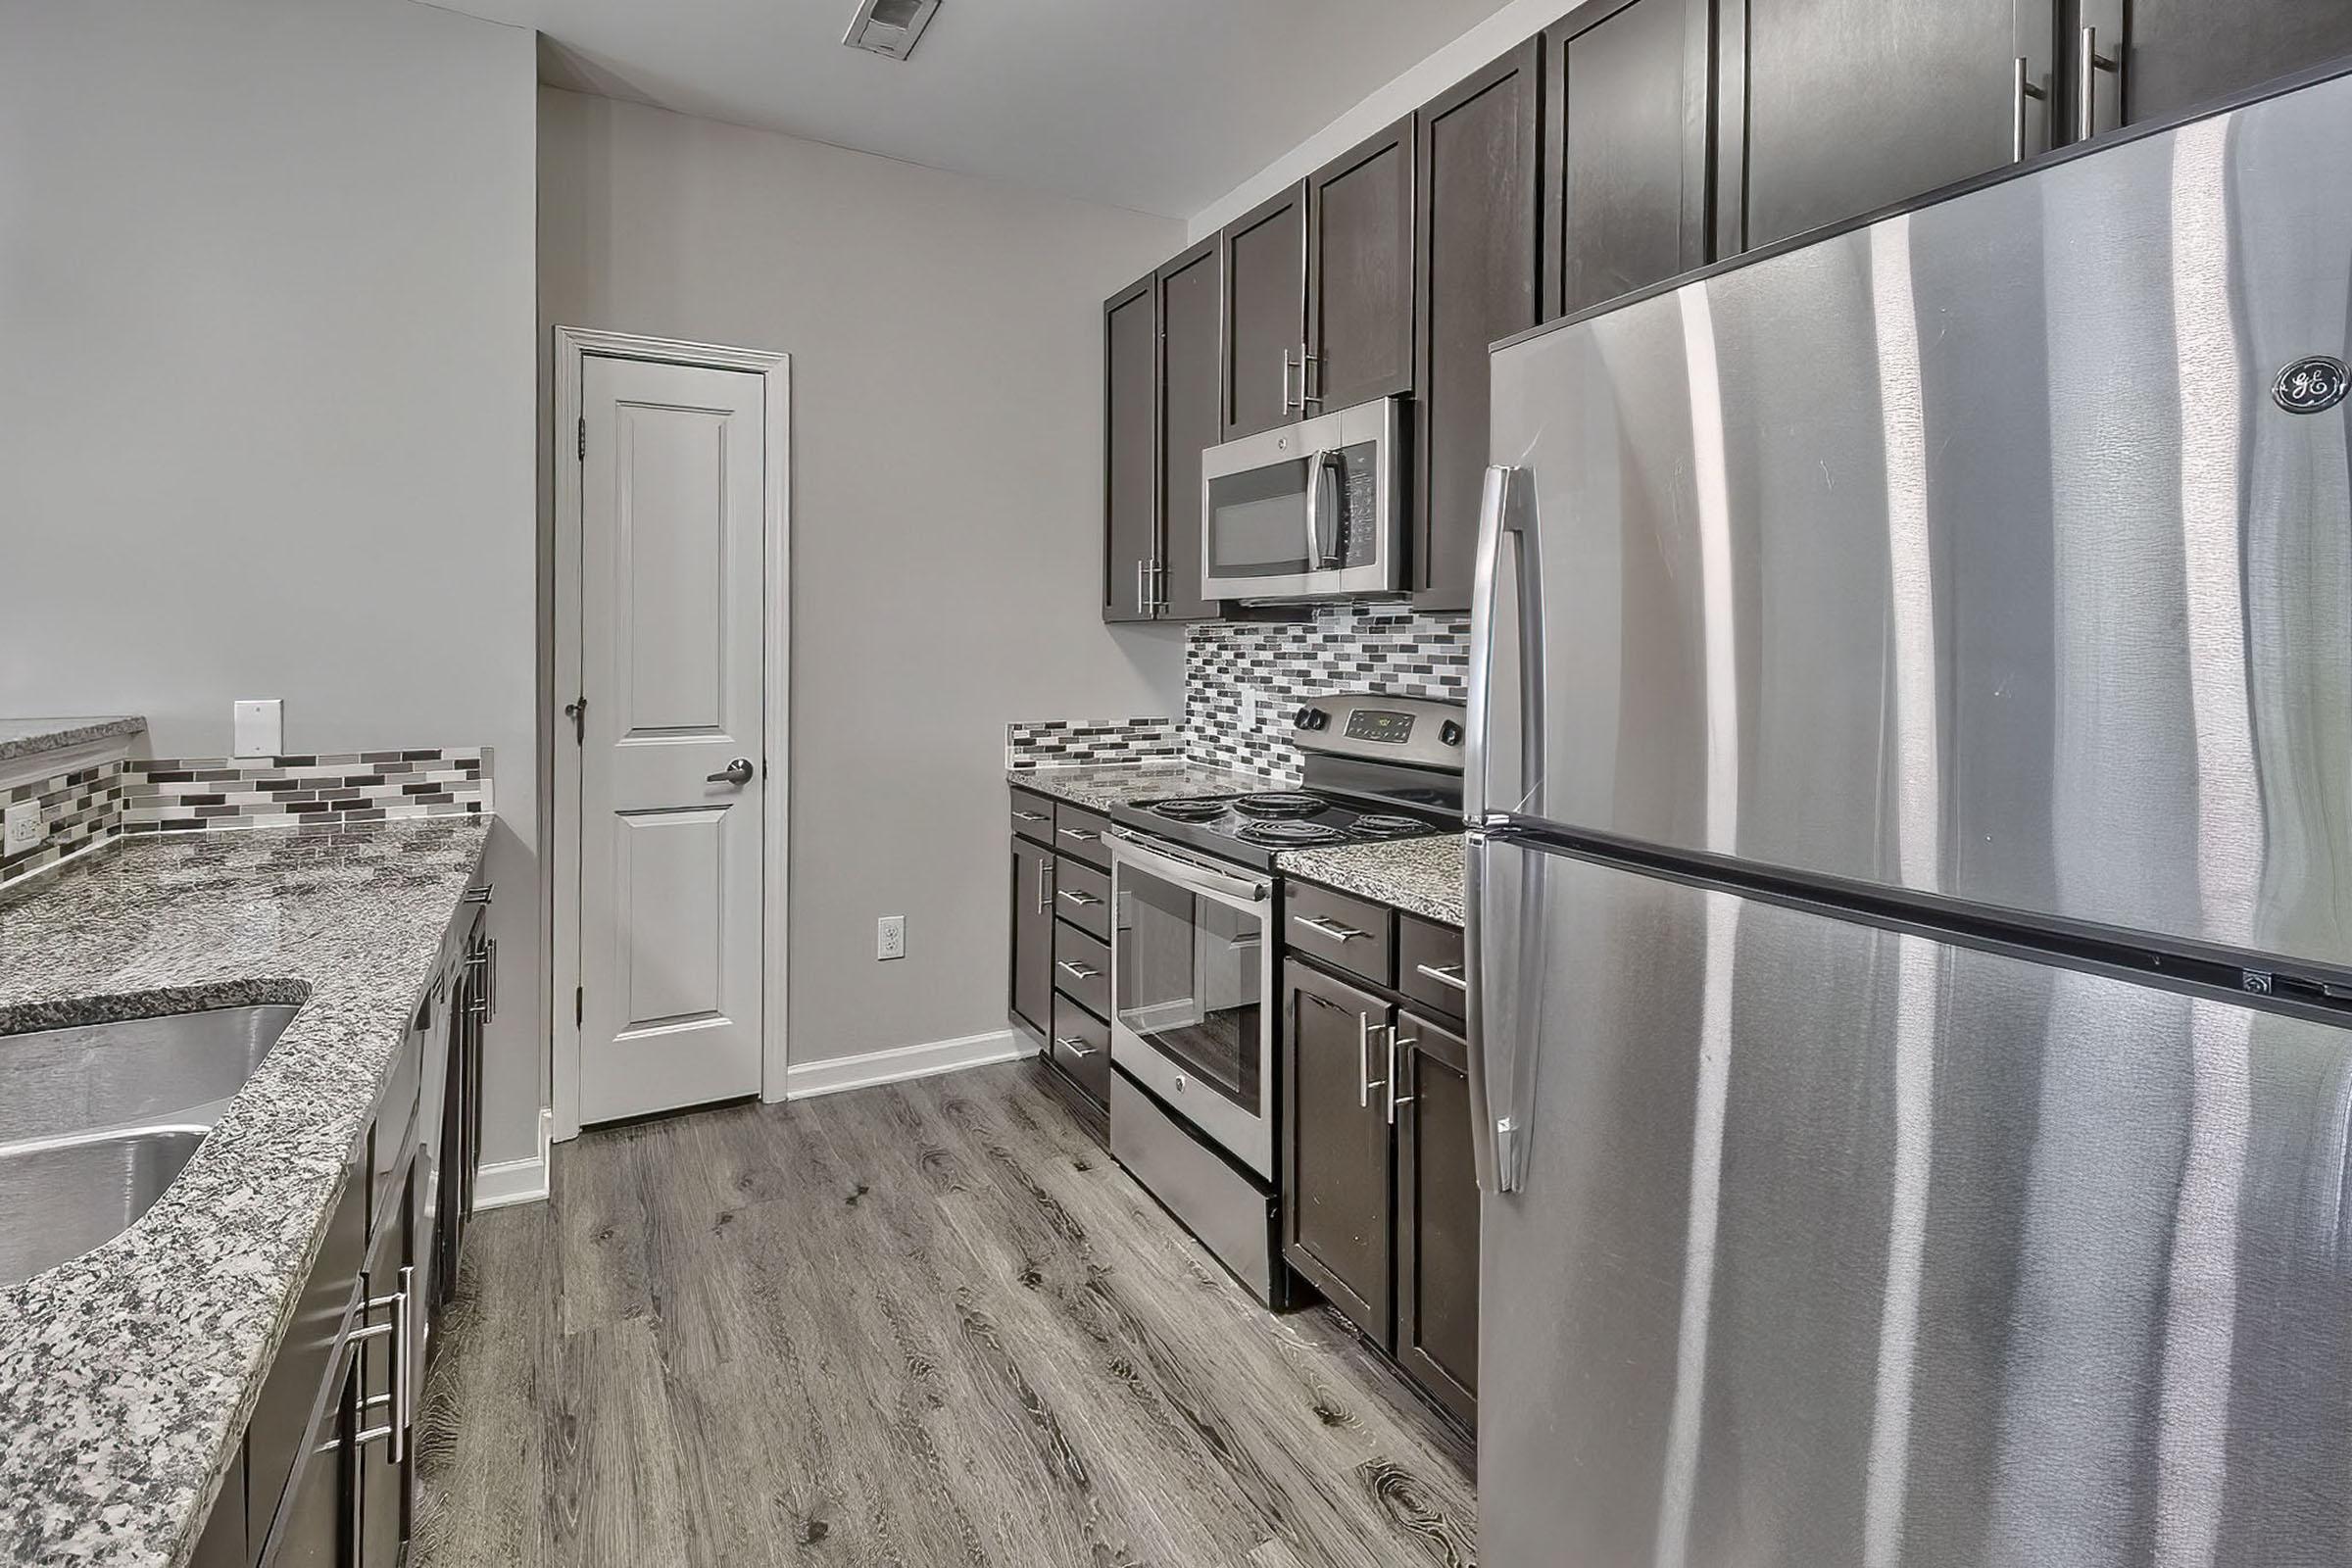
(1505, 511)
(1498, 1090)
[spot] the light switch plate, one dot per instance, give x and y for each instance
(23, 827)
(260, 727)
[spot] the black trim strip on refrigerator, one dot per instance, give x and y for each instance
(2295, 988)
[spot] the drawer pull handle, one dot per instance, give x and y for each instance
(1073, 1045)
(1080, 834)
(1331, 928)
(1444, 974)
(1030, 816)
(1080, 899)
(1076, 971)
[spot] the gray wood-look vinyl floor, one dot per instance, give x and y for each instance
(920, 1324)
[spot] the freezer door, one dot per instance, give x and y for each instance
(1993, 549)
(1840, 1246)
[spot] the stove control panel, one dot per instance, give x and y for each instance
(1421, 731)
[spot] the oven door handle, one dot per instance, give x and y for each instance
(1187, 872)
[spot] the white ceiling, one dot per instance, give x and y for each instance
(1158, 105)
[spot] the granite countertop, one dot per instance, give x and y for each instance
(1420, 876)
(29, 737)
(1111, 784)
(127, 1374)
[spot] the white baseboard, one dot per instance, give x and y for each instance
(805, 1078)
(517, 1181)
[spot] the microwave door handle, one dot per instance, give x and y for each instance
(1314, 510)
(1324, 519)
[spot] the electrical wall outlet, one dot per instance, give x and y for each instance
(890, 937)
(261, 727)
(25, 828)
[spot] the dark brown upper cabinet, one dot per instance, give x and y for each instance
(2167, 56)
(1264, 256)
(1833, 108)
(1359, 274)
(1625, 198)
(1190, 298)
(1476, 282)
(1131, 450)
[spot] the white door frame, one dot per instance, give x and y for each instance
(574, 346)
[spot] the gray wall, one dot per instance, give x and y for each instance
(265, 406)
(945, 343)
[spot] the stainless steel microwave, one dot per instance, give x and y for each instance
(1306, 510)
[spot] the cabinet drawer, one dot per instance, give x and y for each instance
(1082, 1049)
(1082, 968)
(1082, 897)
(1429, 965)
(1084, 834)
(1339, 932)
(1032, 816)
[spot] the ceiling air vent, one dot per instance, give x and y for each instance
(890, 26)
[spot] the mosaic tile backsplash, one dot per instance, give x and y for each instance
(1083, 742)
(287, 791)
(81, 808)
(89, 806)
(1232, 665)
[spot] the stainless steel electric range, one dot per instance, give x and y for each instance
(1195, 951)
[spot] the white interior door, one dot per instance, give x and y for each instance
(673, 754)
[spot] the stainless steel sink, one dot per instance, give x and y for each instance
(60, 1197)
(97, 1119)
(137, 1070)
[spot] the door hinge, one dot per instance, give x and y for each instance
(583, 438)
(579, 1005)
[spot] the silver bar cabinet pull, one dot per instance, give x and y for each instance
(2086, 89)
(1331, 928)
(1444, 974)
(1078, 833)
(1395, 1099)
(1074, 895)
(1030, 816)
(1045, 891)
(1305, 397)
(2022, 87)
(1073, 1045)
(1076, 971)
(1365, 1083)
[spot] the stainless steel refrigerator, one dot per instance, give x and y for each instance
(1912, 886)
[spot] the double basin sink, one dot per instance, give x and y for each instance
(96, 1120)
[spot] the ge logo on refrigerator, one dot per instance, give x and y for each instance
(2311, 385)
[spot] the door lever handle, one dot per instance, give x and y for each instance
(738, 772)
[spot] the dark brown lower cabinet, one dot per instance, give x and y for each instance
(313, 1525)
(223, 1543)
(1436, 1214)
(1032, 1001)
(1339, 1220)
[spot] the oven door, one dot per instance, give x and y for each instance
(1192, 975)
(1304, 512)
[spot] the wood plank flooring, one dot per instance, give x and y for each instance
(922, 1325)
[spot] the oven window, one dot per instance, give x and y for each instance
(1187, 980)
(1257, 521)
